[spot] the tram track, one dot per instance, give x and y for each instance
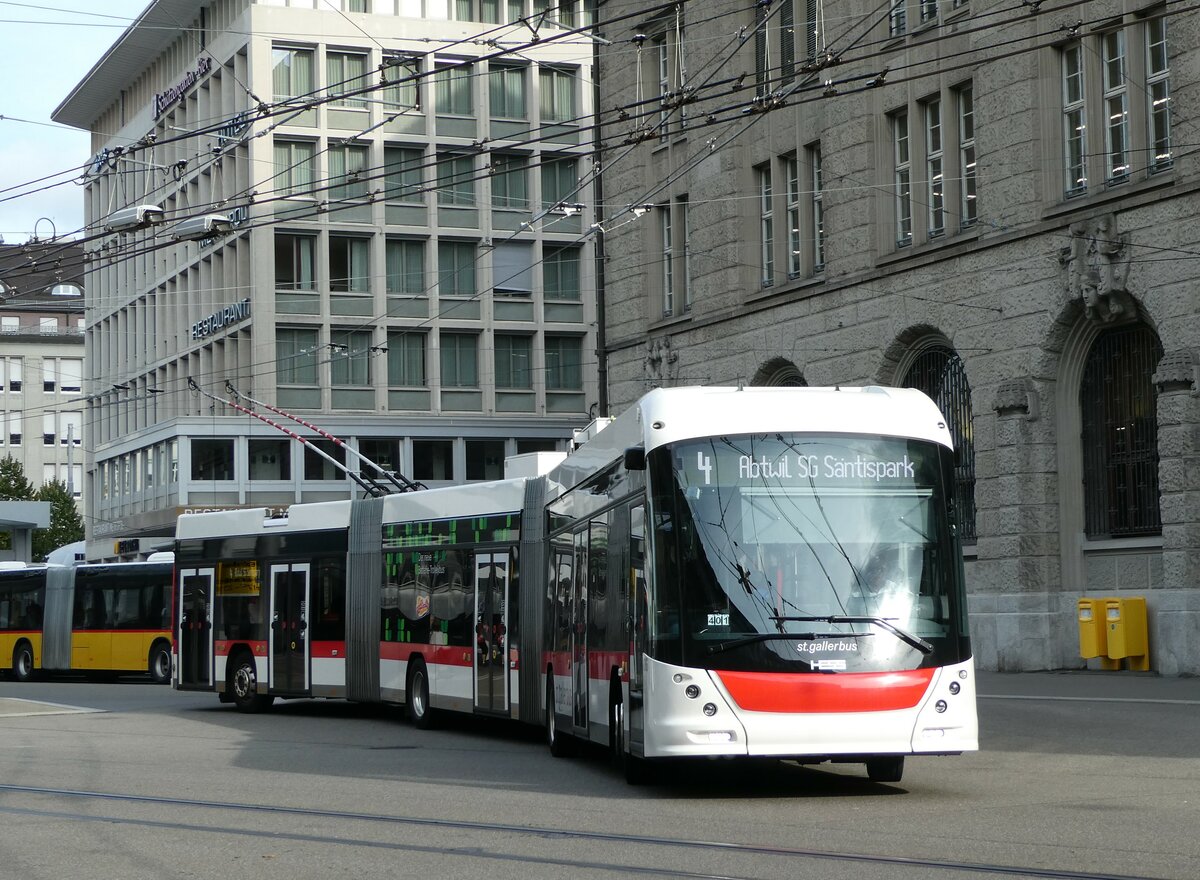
(799, 855)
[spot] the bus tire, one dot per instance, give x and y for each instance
(159, 663)
(22, 662)
(560, 743)
(889, 769)
(243, 685)
(417, 695)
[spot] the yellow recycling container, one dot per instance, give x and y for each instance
(1093, 632)
(1125, 624)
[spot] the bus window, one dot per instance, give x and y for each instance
(329, 600)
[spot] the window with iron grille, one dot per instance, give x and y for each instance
(939, 372)
(1119, 409)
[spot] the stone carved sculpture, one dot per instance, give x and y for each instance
(1097, 264)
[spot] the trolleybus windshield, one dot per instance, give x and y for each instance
(807, 553)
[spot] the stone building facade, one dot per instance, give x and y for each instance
(994, 203)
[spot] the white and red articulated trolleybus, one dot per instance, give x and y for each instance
(758, 572)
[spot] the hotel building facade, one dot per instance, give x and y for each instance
(370, 214)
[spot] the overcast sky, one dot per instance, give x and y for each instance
(46, 48)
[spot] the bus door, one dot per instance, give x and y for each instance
(195, 635)
(637, 621)
(579, 655)
(491, 632)
(289, 628)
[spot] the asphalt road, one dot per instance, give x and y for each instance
(1080, 775)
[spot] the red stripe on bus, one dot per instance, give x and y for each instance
(443, 655)
(843, 692)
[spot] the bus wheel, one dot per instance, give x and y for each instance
(560, 744)
(22, 662)
(419, 709)
(160, 663)
(243, 685)
(885, 769)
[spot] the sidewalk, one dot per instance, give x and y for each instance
(1086, 684)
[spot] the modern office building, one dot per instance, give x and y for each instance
(371, 214)
(992, 203)
(41, 361)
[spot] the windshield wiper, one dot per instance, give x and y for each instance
(908, 638)
(720, 647)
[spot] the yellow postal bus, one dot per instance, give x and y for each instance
(91, 618)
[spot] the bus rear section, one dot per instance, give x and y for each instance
(261, 609)
(93, 619)
(120, 619)
(22, 607)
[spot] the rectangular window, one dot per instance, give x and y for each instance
(512, 269)
(557, 94)
(70, 375)
(49, 428)
(70, 429)
(902, 179)
(459, 360)
(664, 86)
(212, 459)
(485, 459)
(291, 73)
(15, 371)
(559, 181)
(506, 92)
(346, 79)
(666, 253)
(766, 226)
(564, 363)
(452, 90)
(320, 467)
(934, 181)
(791, 167)
(349, 172)
(509, 182)
(405, 266)
(787, 42)
(294, 162)
(402, 168)
(966, 156)
(762, 48)
(512, 361)
(295, 261)
(403, 90)
(685, 229)
(350, 358)
(296, 356)
(433, 459)
(816, 181)
(1074, 121)
(455, 180)
(48, 326)
(14, 428)
(49, 375)
(898, 18)
(456, 268)
(1116, 106)
(348, 264)
(929, 10)
(269, 459)
(1158, 87)
(560, 273)
(406, 359)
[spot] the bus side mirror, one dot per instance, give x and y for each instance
(635, 458)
